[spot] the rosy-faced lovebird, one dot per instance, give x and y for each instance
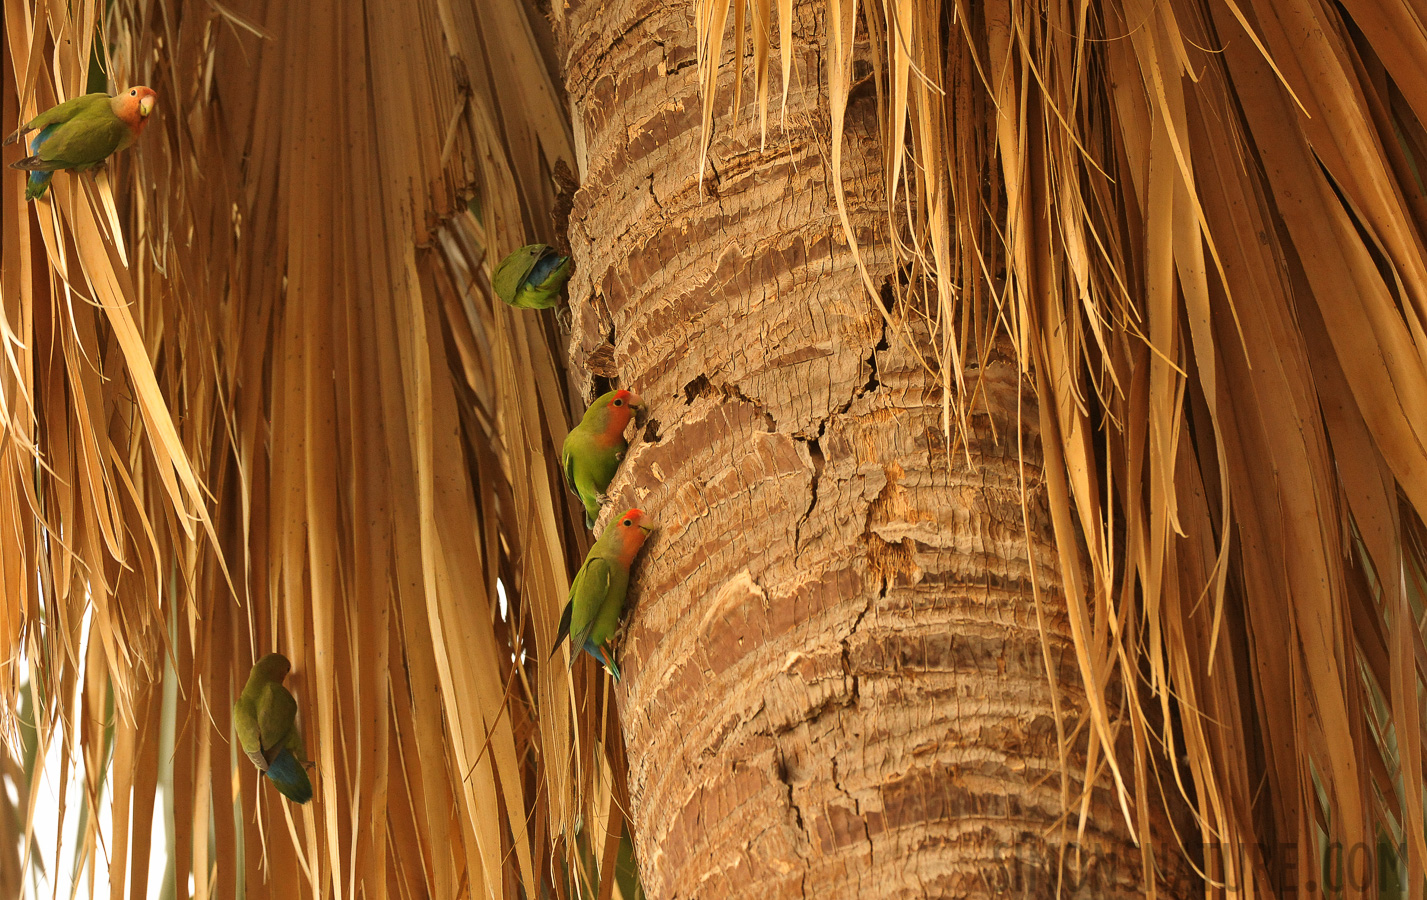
(265, 718)
(80, 134)
(594, 448)
(531, 277)
(597, 593)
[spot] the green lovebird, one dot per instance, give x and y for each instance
(80, 134)
(594, 448)
(597, 593)
(265, 719)
(531, 277)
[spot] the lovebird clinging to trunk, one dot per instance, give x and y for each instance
(265, 718)
(597, 594)
(531, 277)
(594, 448)
(80, 134)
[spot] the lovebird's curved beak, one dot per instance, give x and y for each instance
(647, 529)
(637, 411)
(146, 106)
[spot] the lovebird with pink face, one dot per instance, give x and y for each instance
(82, 133)
(597, 594)
(593, 449)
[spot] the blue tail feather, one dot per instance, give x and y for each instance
(40, 138)
(39, 181)
(290, 777)
(605, 659)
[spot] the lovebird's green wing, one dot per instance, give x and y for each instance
(61, 113)
(245, 723)
(510, 272)
(581, 459)
(568, 460)
(587, 596)
(85, 140)
(612, 606)
(568, 616)
(277, 713)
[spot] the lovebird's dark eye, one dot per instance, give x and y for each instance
(133, 93)
(627, 523)
(619, 403)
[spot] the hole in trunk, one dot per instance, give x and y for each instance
(695, 388)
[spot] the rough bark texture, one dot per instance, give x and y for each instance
(834, 676)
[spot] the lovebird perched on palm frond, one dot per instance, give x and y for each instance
(265, 718)
(597, 593)
(80, 134)
(531, 277)
(594, 448)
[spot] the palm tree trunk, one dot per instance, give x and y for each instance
(837, 655)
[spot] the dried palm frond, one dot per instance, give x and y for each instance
(19, 856)
(1201, 226)
(257, 395)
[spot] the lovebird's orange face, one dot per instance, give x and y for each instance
(622, 405)
(609, 414)
(633, 527)
(135, 105)
(624, 400)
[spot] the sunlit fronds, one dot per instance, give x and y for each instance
(1201, 225)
